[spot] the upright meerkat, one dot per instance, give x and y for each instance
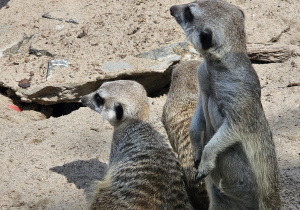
(239, 157)
(143, 171)
(177, 115)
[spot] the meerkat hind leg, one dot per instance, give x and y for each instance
(235, 188)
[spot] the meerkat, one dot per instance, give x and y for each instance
(177, 115)
(144, 171)
(236, 154)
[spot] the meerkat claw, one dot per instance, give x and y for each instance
(200, 177)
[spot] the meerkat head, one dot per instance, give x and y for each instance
(119, 101)
(212, 26)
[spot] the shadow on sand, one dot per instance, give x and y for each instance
(82, 173)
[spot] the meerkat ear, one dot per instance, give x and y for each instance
(206, 38)
(119, 112)
(242, 13)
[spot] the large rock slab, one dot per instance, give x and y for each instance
(154, 75)
(153, 81)
(151, 69)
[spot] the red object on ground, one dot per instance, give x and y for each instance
(14, 107)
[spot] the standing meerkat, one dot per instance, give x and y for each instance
(238, 159)
(143, 171)
(177, 115)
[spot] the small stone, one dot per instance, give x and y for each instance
(95, 129)
(163, 51)
(61, 16)
(24, 83)
(141, 20)
(82, 34)
(40, 53)
(59, 27)
(133, 31)
(62, 63)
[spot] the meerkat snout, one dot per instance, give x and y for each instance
(84, 100)
(93, 101)
(173, 11)
(181, 13)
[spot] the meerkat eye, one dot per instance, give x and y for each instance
(188, 15)
(206, 38)
(98, 99)
(119, 112)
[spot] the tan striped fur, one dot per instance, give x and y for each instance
(143, 171)
(177, 115)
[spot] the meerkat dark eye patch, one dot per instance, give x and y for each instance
(188, 16)
(119, 112)
(99, 100)
(206, 38)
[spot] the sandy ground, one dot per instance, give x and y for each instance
(50, 163)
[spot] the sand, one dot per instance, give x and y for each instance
(50, 163)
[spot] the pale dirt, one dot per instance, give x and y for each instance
(50, 163)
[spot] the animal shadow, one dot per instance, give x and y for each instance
(82, 173)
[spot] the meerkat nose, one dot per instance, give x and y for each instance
(83, 100)
(172, 10)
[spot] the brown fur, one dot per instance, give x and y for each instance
(177, 115)
(143, 171)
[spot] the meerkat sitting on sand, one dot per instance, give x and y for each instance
(238, 159)
(143, 171)
(177, 116)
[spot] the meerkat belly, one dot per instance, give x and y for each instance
(234, 178)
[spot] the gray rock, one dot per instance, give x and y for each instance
(53, 64)
(112, 66)
(15, 47)
(33, 50)
(192, 50)
(40, 53)
(151, 69)
(166, 62)
(61, 16)
(72, 92)
(163, 51)
(59, 27)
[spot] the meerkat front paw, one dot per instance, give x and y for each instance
(207, 164)
(204, 170)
